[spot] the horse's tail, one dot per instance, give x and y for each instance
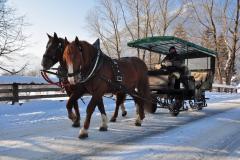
(144, 92)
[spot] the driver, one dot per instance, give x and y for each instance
(174, 64)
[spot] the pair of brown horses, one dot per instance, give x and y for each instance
(91, 68)
(53, 54)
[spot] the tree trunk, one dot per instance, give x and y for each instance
(229, 69)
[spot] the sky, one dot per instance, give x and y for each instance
(65, 17)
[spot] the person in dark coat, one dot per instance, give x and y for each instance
(174, 64)
(173, 61)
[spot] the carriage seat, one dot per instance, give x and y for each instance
(158, 78)
(203, 79)
(199, 76)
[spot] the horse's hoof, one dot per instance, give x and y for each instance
(83, 136)
(72, 117)
(103, 128)
(76, 124)
(138, 124)
(124, 113)
(113, 120)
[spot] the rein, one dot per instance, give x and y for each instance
(46, 78)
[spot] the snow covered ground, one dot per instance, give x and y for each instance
(20, 79)
(41, 130)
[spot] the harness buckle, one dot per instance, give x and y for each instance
(119, 78)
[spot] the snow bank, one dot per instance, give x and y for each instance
(20, 79)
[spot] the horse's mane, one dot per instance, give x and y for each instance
(67, 53)
(88, 52)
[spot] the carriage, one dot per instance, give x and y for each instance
(190, 91)
(89, 70)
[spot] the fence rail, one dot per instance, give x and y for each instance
(224, 88)
(22, 91)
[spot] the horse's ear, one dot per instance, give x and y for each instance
(76, 40)
(55, 35)
(49, 36)
(66, 41)
(96, 44)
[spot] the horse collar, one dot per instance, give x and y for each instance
(91, 73)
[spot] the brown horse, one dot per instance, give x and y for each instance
(54, 54)
(90, 66)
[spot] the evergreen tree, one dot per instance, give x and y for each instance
(180, 32)
(207, 39)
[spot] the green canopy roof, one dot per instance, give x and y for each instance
(161, 44)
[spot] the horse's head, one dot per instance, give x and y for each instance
(78, 56)
(54, 51)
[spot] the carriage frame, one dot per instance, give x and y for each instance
(201, 77)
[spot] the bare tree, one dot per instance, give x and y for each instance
(166, 15)
(222, 19)
(12, 39)
(133, 8)
(95, 27)
(105, 23)
(204, 14)
(231, 38)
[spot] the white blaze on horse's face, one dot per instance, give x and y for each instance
(70, 71)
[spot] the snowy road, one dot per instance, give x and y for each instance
(41, 130)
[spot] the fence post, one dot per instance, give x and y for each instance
(15, 93)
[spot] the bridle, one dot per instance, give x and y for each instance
(55, 58)
(78, 73)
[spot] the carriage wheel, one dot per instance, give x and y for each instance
(173, 110)
(154, 104)
(175, 106)
(199, 108)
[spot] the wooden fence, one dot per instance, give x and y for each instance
(224, 88)
(22, 91)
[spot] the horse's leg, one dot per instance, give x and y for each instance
(139, 111)
(69, 105)
(77, 93)
(101, 108)
(76, 122)
(144, 92)
(123, 108)
(120, 99)
(90, 108)
(72, 102)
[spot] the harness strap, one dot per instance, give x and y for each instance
(121, 87)
(92, 72)
(116, 71)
